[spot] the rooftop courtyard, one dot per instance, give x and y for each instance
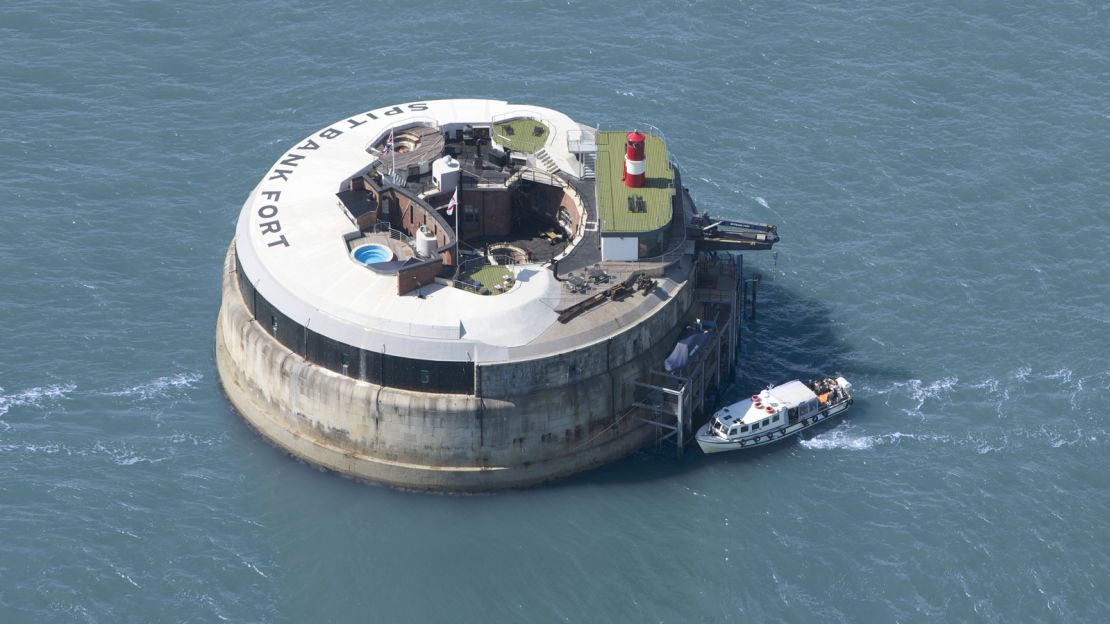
(486, 279)
(522, 135)
(617, 204)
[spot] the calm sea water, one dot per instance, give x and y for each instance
(939, 171)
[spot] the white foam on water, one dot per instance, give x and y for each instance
(1063, 374)
(694, 492)
(120, 456)
(935, 390)
(986, 447)
(990, 385)
(188, 438)
(123, 575)
(34, 397)
(841, 438)
(916, 390)
(762, 202)
(44, 449)
(159, 387)
(125, 532)
(255, 568)
(1000, 390)
(1078, 439)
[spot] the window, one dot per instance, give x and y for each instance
(470, 214)
(744, 429)
(766, 421)
(775, 419)
(425, 376)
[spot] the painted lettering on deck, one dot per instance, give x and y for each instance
(287, 166)
(270, 211)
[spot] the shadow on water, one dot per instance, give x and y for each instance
(791, 337)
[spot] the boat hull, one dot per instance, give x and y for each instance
(711, 444)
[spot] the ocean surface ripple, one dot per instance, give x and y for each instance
(938, 172)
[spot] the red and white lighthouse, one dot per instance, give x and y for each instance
(634, 160)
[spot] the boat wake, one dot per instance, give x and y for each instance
(1074, 396)
(160, 387)
(917, 391)
(41, 396)
(1014, 390)
(119, 454)
(844, 438)
(841, 438)
(34, 397)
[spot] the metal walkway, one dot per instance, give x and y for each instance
(675, 402)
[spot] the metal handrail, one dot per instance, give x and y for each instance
(535, 175)
(666, 257)
(575, 139)
(504, 260)
(461, 285)
(397, 235)
(651, 129)
(500, 259)
(486, 178)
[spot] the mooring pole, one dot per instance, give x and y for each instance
(755, 288)
(739, 319)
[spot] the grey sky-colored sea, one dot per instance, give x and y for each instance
(939, 173)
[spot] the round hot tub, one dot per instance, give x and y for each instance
(372, 254)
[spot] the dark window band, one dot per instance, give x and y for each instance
(378, 368)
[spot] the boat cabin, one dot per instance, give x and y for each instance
(771, 409)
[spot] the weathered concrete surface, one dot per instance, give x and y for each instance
(535, 421)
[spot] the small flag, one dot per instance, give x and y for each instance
(453, 203)
(388, 147)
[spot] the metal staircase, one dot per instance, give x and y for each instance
(400, 178)
(589, 163)
(546, 162)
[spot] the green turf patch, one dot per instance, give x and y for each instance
(488, 276)
(655, 211)
(521, 135)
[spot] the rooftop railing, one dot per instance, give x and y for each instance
(394, 234)
(579, 140)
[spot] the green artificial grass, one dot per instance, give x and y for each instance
(520, 135)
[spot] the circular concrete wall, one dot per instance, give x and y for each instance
(432, 441)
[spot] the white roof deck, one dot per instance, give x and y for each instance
(290, 243)
(792, 393)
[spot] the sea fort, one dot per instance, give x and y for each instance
(466, 295)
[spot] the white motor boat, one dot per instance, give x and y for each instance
(775, 414)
